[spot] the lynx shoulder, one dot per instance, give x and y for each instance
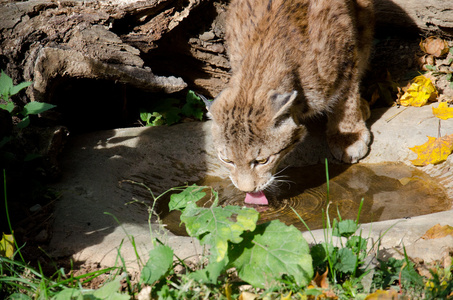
(290, 60)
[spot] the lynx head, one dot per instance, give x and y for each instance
(253, 134)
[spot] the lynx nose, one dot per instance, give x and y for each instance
(245, 184)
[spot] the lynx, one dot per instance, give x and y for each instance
(290, 60)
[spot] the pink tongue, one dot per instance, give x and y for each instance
(256, 198)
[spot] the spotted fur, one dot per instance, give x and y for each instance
(290, 60)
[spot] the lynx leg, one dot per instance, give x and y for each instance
(347, 134)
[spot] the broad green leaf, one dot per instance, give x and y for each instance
(172, 115)
(110, 291)
(17, 88)
(190, 194)
(5, 140)
(345, 261)
(145, 116)
(193, 106)
(210, 273)
(159, 264)
(19, 296)
(9, 106)
(35, 107)
(32, 156)
(215, 226)
(69, 294)
(272, 250)
(6, 84)
(344, 228)
(157, 121)
(7, 245)
(358, 245)
(24, 123)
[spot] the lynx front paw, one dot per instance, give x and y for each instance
(349, 147)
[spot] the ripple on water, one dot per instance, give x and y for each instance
(389, 191)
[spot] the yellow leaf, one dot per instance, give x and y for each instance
(437, 232)
(7, 245)
(419, 92)
(434, 151)
(287, 297)
(434, 46)
(383, 295)
(443, 111)
(228, 291)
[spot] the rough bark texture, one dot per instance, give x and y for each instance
(144, 44)
(104, 55)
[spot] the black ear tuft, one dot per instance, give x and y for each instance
(207, 102)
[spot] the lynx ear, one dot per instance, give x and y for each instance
(207, 102)
(282, 104)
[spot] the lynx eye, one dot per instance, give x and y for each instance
(226, 160)
(262, 161)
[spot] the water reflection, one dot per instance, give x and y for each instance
(390, 191)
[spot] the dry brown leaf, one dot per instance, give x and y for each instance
(437, 232)
(321, 280)
(383, 295)
(434, 46)
(434, 151)
(248, 296)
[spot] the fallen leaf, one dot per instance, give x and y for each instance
(434, 151)
(437, 232)
(287, 297)
(419, 92)
(434, 46)
(321, 280)
(7, 245)
(383, 295)
(248, 296)
(443, 111)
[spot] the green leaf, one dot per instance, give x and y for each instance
(357, 244)
(172, 115)
(215, 226)
(159, 264)
(24, 123)
(17, 88)
(6, 84)
(110, 291)
(32, 156)
(272, 250)
(35, 107)
(145, 116)
(431, 67)
(157, 121)
(19, 296)
(344, 228)
(193, 107)
(346, 261)
(189, 194)
(210, 273)
(69, 294)
(9, 106)
(5, 140)
(448, 77)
